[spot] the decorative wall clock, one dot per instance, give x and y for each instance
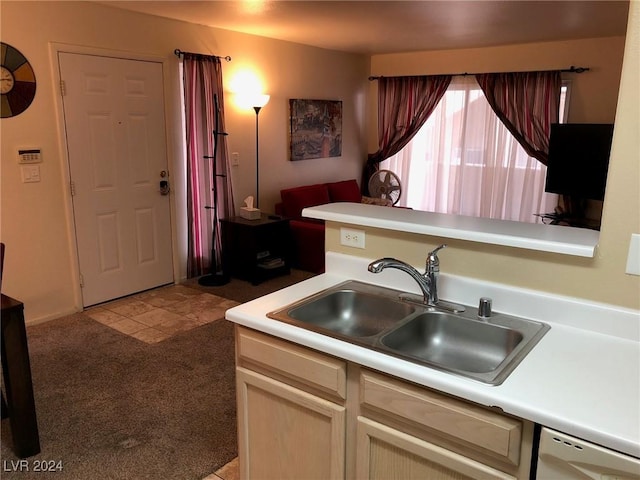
(17, 82)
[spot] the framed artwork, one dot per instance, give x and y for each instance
(315, 129)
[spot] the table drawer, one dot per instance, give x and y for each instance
(306, 366)
(499, 434)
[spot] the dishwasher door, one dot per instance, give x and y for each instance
(562, 457)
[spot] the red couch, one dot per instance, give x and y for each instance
(308, 233)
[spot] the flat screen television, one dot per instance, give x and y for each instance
(579, 159)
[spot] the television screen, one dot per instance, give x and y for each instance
(579, 159)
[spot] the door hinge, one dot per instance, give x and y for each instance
(63, 88)
(72, 187)
(81, 281)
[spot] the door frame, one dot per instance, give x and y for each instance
(175, 169)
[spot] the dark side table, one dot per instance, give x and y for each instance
(256, 250)
(16, 370)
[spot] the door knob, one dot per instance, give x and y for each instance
(164, 187)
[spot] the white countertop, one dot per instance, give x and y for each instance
(546, 238)
(582, 378)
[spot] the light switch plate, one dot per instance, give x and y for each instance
(633, 258)
(30, 173)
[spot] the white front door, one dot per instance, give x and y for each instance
(114, 120)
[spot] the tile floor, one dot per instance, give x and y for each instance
(155, 315)
(229, 472)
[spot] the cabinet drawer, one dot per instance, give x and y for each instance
(306, 366)
(498, 434)
(392, 454)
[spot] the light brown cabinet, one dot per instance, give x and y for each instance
(420, 433)
(291, 412)
(385, 453)
(288, 433)
(305, 414)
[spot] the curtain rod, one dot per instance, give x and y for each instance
(179, 53)
(571, 69)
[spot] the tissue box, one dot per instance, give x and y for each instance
(250, 213)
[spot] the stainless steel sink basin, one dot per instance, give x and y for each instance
(351, 312)
(454, 342)
(487, 350)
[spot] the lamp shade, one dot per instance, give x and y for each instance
(251, 100)
(260, 100)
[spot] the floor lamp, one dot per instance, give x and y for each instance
(258, 102)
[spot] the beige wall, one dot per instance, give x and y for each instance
(601, 279)
(36, 219)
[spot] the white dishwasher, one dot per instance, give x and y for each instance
(563, 457)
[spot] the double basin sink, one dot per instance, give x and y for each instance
(484, 349)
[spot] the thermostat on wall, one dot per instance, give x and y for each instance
(29, 155)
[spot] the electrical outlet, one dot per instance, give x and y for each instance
(352, 238)
(235, 159)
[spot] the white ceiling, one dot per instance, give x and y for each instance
(375, 27)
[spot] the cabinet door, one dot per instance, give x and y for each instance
(286, 433)
(386, 453)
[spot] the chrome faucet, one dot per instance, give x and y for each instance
(428, 282)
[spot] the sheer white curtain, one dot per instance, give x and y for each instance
(464, 161)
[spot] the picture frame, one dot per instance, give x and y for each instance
(315, 129)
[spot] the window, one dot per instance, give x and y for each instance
(464, 161)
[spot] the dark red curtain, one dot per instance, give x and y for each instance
(527, 103)
(404, 104)
(202, 86)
